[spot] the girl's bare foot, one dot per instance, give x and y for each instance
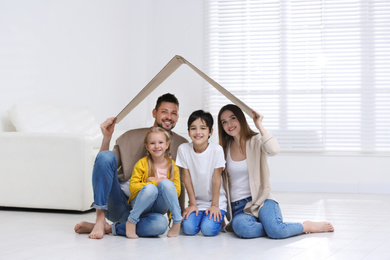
(84, 227)
(130, 230)
(174, 231)
(317, 227)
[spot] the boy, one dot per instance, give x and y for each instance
(202, 164)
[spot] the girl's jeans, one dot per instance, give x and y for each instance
(109, 196)
(193, 224)
(149, 207)
(270, 222)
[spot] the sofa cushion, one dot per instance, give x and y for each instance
(54, 119)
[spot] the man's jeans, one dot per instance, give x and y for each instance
(270, 222)
(107, 191)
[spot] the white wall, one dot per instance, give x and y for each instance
(100, 54)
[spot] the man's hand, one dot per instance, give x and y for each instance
(108, 127)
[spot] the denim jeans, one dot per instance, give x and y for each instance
(149, 225)
(107, 191)
(158, 199)
(149, 207)
(193, 224)
(270, 222)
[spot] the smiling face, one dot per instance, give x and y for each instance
(166, 116)
(230, 123)
(199, 132)
(156, 144)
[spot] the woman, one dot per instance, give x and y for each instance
(253, 211)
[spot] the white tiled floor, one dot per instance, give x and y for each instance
(362, 223)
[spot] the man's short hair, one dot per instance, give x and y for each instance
(168, 97)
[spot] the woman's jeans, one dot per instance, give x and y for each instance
(270, 222)
(193, 224)
(149, 207)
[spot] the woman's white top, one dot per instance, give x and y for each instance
(238, 178)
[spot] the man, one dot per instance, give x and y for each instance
(112, 170)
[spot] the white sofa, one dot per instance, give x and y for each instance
(47, 162)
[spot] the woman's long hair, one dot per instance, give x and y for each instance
(245, 133)
(170, 169)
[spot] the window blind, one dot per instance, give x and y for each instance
(318, 70)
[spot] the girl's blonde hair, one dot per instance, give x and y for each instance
(170, 169)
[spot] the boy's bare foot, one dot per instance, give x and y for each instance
(317, 227)
(130, 230)
(174, 231)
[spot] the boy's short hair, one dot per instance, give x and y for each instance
(204, 116)
(168, 97)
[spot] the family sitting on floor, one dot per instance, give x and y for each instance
(150, 169)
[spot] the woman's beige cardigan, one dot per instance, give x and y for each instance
(258, 148)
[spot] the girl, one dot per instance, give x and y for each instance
(202, 163)
(154, 188)
(253, 212)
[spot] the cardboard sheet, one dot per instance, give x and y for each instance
(171, 67)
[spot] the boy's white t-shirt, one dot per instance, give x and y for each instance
(201, 167)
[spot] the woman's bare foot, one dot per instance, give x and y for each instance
(317, 227)
(174, 231)
(130, 230)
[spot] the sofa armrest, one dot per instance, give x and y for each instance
(46, 170)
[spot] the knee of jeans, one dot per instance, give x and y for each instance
(166, 184)
(150, 191)
(159, 224)
(277, 232)
(238, 225)
(243, 225)
(151, 225)
(189, 228)
(105, 158)
(210, 228)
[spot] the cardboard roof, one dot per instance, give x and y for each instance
(171, 67)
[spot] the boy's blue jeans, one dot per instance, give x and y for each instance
(270, 222)
(149, 207)
(193, 224)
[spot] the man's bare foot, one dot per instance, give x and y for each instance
(130, 230)
(87, 227)
(317, 227)
(84, 227)
(99, 229)
(174, 231)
